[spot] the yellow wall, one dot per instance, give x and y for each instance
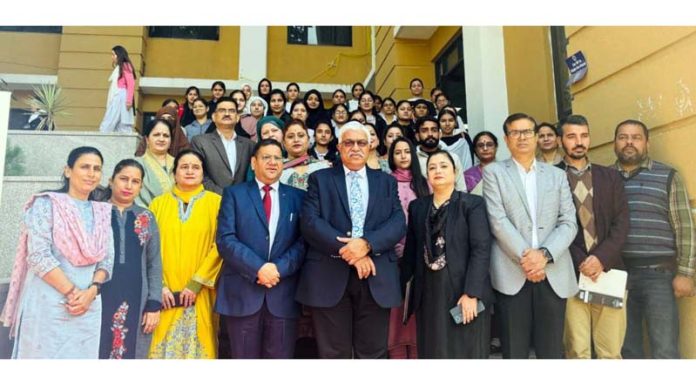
(529, 72)
(189, 58)
(643, 73)
(29, 53)
(400, 60)
(84, 67)
(318, 64)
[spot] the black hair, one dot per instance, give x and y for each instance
(374, 109)
(287, 88)
(634, 123)
(238, 91)
(420, 121)
(73, 156)
(388, 98)
(414, 80)
(201, 99)
(443, 95)
(553, 128)
(266, 142)
(270, 87)
(321, 100)
(151, 126)
(296, 102)
(435, 89)
(167, 101)
(189, 151)
(447, 112)
(389, 127)
(225, 99)
(276, 91)
(339, 90)
(518, 116)
(572, 119)
(357, 112)
(128, 163)
(426, 103)
(376, 97)
(332, 145)
(355, 85)
(121, 58)
(295, 122)
(441, 151)
(485, 133)
(192, 88)
(219, 83)
(419, 184)
(402, 101)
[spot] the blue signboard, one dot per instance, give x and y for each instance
(577, 66)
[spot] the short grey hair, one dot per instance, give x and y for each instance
(354, 126)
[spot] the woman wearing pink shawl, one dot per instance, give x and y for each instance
(65, 253)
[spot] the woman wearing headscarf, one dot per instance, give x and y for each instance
(315, 109)
(268, 127)
(179, 140)
(264, 90)
(257, 110)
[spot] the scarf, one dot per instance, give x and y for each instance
(185, 200)
(161, 175)
(113, 79)
(69, 237)
(402, 175)
(186, 196)
(303, 160)
(268, 119)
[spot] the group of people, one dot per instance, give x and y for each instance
(248, 226)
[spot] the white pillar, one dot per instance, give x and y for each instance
(253, 48)
(486, 88)
(4, 123)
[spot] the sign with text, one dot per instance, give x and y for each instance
(577, 64)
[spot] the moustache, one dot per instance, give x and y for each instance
(579, 148)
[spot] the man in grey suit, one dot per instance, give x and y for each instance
(532, 219)
(226, 154)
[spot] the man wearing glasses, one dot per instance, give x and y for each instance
(532, 219)
(259, 240)
(351, 219)
(226, 154)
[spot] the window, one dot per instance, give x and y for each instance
(37, 29)
(185, 32)
(449, 75)
(320, 35)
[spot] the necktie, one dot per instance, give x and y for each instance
(357, 211)
(267, 202)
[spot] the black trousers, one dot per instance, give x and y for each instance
(356, 327)
(534, 315)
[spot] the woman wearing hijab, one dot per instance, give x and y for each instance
(315, 109)
(257, 110)
(264, 90)
(120, 114)
(179, 140)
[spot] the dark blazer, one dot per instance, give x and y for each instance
(611, 219)
(467, 244)
(242, 241)
(326, 215)
(217, 167)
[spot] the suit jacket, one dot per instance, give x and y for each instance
(217, 167)
(326, 215)
(467, 244)
(511, 225)
(611, 220)
(242, 241)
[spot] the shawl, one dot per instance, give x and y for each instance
(69, 237)
(160, 175)
(113, 79)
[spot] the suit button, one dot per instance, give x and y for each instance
(348, 233)
(266, 237)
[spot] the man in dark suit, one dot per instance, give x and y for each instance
(352, 221)
(225, 153)
(602, 215)
(259, 240)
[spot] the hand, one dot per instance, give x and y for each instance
(468, 306)
(187, 297)
(365, 267)
(129, 105)
(591, 267)
(355, 249)
(168, 300)
(150, 321)
(533, 262)
(683, 286)
(78, 303)
(537, 277)
(268, 275)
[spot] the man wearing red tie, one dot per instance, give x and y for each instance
(259, 241)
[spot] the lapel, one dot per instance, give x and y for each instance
(540, 184)
(511, 168)
(450, 229)
(239, 160)
(255, 197)
(283, 217)
(372, 191)
(217, 143)
(339, 177)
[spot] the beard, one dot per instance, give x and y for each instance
(636, 158)
(430, 143)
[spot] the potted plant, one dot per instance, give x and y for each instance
(49, 102)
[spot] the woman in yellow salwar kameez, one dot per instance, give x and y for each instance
(187, 219)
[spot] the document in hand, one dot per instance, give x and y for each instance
(609, 289)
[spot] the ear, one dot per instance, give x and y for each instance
(67, 172)
(253, 163)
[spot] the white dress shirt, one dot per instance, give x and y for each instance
(362, 182)
(275, 212)
(230, 149)
(529, 182)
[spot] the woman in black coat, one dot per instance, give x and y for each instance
(447, 253)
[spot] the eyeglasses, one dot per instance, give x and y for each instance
(225, 111)
(268, 158)
(528, 133)
(483, 145)
(352, 143)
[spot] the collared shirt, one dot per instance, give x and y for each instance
(679, 217)
(230, 149)
(362, 182)
(196, 128)
(275, 211)
(575, 171)
(529, 182)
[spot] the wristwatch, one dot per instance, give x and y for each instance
(98, 285)
(547, 254)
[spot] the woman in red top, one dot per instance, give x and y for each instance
(120, 115)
